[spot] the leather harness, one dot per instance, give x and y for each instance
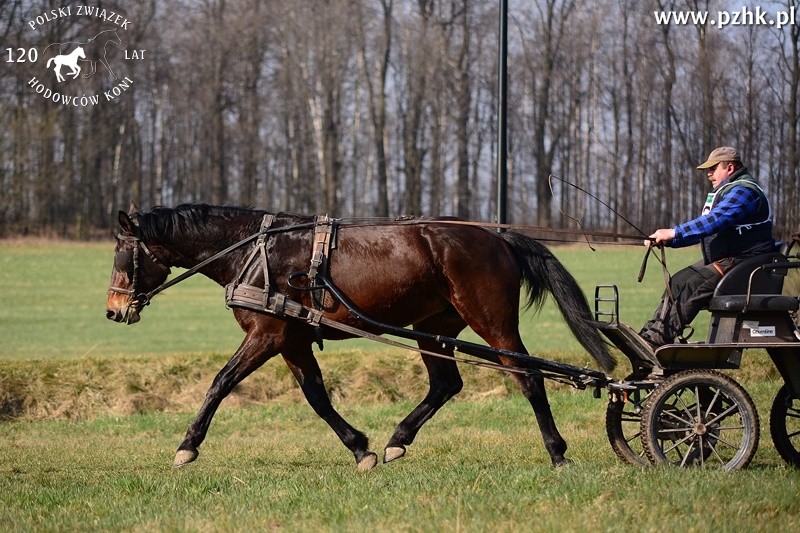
(262, 299)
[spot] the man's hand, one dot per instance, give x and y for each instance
(661, 235)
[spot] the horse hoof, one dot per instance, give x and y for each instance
(368, 462)
(393, 452)
(183, 457)
(562, 463)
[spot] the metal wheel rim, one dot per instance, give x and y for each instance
(700, 418)
(785, 426)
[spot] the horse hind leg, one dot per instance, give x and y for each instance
(534, 391)
(445, 382)
(496, 325)
(532, 387)
(304, 366)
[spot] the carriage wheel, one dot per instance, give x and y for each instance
(623, 427)
(700, 418)
(784, 425)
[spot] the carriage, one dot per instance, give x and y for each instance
(677, 407)
(442, 275)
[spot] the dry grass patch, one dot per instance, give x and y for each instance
(86, 388)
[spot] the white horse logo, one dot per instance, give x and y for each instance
(70, 60)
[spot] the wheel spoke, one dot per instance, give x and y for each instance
(633, 437)
(673, 413)
(676, 444)
(686, 408)
(725, 428)
(688, 453)
(723, 441)
(710, 405)
(714, 451)
(724, 414)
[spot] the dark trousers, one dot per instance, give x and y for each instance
(691, 288)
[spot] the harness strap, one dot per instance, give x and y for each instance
(260, 249)
(323, 236)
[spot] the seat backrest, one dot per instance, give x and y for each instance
(765, 281)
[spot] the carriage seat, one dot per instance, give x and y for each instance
(731, 294)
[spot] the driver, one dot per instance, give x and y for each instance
(735, 223)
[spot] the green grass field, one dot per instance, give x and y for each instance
(99, 408)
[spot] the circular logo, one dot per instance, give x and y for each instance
(87, 69)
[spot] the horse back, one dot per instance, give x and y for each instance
(402, 272)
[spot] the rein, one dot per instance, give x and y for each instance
(143, 299)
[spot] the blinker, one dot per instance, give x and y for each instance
(123, 261)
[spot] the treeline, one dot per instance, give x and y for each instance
(376, 108)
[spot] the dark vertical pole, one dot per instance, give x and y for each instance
(502, 107)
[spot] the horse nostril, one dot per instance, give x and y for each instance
(112, 315)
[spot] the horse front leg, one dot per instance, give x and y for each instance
(304, 366)
(254, 351)
(111, 72)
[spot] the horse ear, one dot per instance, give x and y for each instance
(127, 225)
(133, 208)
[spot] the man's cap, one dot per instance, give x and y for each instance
(724, 153)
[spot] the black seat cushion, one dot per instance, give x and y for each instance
(758, 302)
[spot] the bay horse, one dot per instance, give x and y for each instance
(434, 275)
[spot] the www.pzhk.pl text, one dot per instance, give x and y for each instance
(743, 17)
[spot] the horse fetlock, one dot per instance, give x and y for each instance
(393, 452)
(183, 457)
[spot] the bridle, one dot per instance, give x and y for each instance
(128, 261)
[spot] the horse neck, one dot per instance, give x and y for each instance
(189, 250)
(186, 248)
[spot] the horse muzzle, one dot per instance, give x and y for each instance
(129, 314)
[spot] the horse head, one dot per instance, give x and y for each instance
(137, 271)
(81, 53)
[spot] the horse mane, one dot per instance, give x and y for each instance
(198, 222)
(207, 223)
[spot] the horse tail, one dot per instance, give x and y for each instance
(541, 270)
(49, 61)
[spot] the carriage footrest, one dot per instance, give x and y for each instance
(629, 342)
